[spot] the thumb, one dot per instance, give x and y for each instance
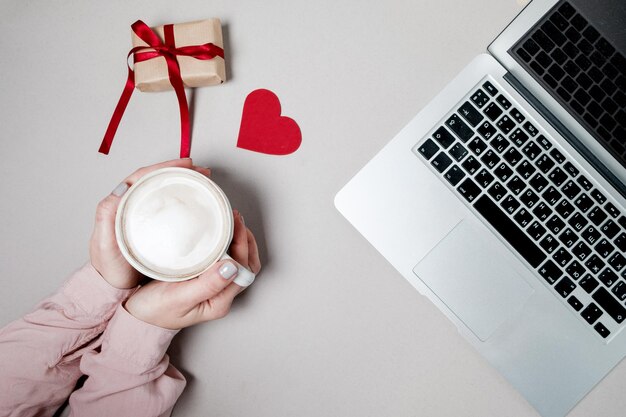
(106, 211)
(211, 282)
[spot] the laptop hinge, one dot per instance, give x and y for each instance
(569, 137)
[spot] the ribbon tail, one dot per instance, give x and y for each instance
(105, 146)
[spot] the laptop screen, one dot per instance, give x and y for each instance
(577, 52)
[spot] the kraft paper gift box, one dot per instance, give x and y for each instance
(152, 74)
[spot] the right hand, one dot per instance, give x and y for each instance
(175, 305)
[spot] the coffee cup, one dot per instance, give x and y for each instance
(175, 223)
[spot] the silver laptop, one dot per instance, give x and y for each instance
(503, 200)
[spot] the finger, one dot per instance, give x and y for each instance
(104, 228)
(254, 261)
(239, 245)
(202, 170)
(209, 284)
(181, 163)
(218, 306)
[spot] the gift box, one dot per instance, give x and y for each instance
(152, 74)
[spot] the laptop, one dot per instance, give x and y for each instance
(503, 201)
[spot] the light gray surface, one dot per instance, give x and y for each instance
(329, 328)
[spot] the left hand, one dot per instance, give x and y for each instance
(104, 253)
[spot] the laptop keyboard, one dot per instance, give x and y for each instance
(582, 70)
(511, 172)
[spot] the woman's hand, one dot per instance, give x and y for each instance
(103, 250)
(175, 305)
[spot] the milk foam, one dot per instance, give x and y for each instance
(173, 224)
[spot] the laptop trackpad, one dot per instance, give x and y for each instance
(466, 271)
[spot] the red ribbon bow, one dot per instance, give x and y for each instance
(169, 51)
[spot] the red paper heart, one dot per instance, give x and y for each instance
(263, 129)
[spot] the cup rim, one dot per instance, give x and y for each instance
(126, 249)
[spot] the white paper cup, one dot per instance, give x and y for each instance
(175, 223)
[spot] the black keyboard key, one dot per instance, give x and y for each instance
(598, 196)
(516, 185)
(571, 169)
(557, 176)
(525, 169)
(562, 257)
(594, 263)
(505, 124)
(570, 189)
(531, 129)
(612, 210)
(510, 231)
(578, 221)
(510, 204)
(490, 88)
(568, 237)
(551, 195)
(529, 198)
(555, 224)
(531, 150)
(558, 156)
(480, 98)
(591, 235)
(597, 216)
(589, 283)
(610, 229)
(602, 330)
(518, 137)
(519, 117)
(477, 145)
(484, 178)
(567, 11)
(575, 270)
(620, 242)
(591, 313)
(486, 130)
(550, 272)
(523, 217)
(604, 248)
(503, 172)
(469, 190)
(536, 230)
(607, 277)
(512, 156)
(582, 251)
(471, 165)
(428, 149)
(545, 143)
(499, 143)
(549, 243)
(493, 111)
(609, 304)
(503, 102)
(575, 303)
(583, 203)
(441, 162)
(454, 175)
(564, 208)
(542, 211)
(544, 163)
(565, 287)
(620, 290)
(458, 126)
(444, 137)
(538, 182)
(490, 158)
(584, 182)
(497, 191)
(617, 261)
(470, 114)
(458, 152)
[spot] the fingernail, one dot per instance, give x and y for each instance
(228, 270)
(242, 220)
(120, 189)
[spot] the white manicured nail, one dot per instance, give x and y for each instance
(228, 270)
(120, 189)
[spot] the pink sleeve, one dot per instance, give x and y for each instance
(40, 353)
(131, 375)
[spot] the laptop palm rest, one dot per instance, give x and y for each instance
(467, 271)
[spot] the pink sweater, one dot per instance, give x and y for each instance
(84, 330)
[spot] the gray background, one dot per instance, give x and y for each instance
(329, 328)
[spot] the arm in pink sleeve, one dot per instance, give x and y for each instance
(131, 375)
(40, 353)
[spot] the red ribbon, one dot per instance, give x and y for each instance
(169, 51)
